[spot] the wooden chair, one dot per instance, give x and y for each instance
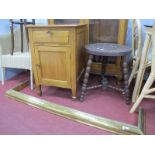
(147, 90)
(22, 23)
(144, 63)
(136, 48)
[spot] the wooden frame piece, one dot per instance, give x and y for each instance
(136, 52)
(147, 90)
(78, 116)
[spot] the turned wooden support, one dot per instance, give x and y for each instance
(21, 30)
(104, 80)
(12, 36)
(86, 77)
(126, 89)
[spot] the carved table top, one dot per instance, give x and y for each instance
(108, 49)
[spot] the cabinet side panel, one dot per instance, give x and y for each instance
(33, 57)
(80, 54)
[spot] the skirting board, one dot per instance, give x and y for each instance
(78, 116)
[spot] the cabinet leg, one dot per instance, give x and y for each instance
(74, 93)
(39, 92)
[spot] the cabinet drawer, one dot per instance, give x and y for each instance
(53, 36)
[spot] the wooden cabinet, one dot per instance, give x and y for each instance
(58, 55)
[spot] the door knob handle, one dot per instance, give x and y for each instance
(49, 33)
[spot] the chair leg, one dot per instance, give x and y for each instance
(103, 70)
(31, 79)
(126, 89)
(134, 70)
(147, 85)
(86, 77)
(3, 75)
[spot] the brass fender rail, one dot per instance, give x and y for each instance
(78, 116)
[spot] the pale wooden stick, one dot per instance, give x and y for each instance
(139, 48)
(150, 91)
(142, 68)
(142, 95)
(150, 96)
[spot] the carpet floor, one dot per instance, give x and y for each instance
(17, 118)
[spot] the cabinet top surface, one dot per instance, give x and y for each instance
(56, 25)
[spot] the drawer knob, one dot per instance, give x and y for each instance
(49, 33)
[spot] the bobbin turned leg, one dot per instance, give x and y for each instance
(126, 89)
(86, 76)
(104, 80)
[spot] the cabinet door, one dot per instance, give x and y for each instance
(53, 65)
